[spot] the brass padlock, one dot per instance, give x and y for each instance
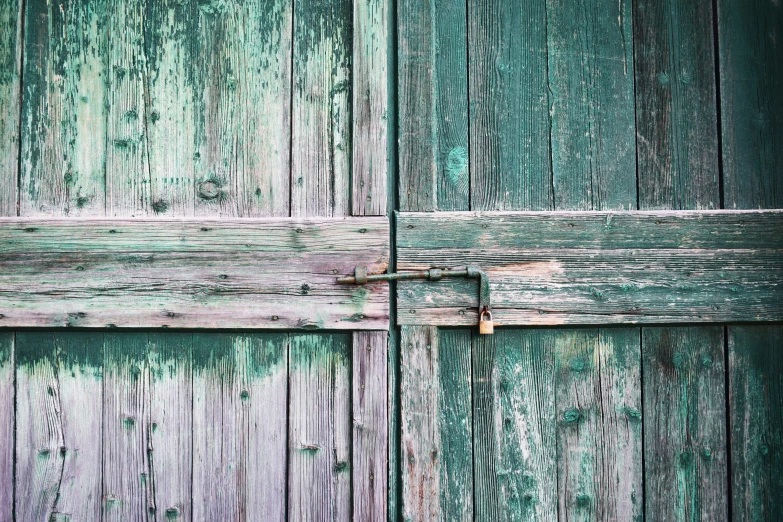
(486, 326)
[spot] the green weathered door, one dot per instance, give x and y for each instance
(181, 183)
(588, 402)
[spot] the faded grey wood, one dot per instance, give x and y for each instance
(64, 118)
(322, 118)
(224, 274)
(10, 84)
(676, 107)
(370, 107)
(691, 267)
(7, 424)
(239, 420)
(685, 423)
(319, 427)
(599, 424)
(370, 425)
(59, 380)
(433, 93)
(756, 421)
(515, 427)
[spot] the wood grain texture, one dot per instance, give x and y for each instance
(59, 409)
(515, 429)
(319, 428)
(64, 113)
(239, 419)
(369, 440)
(676, 106)
(433, 93)
(591, 96)
(756, 420)
(242, 91)
(629, 268)
(7, 424)
(277, 273)
(599, 424)
(684, 423)
(322, 118)
(370, 109)
(751, 78)
(509, 92)
(10, 100)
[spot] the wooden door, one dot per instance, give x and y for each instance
(182, 183)
(588, 403)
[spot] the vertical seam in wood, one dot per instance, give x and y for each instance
(467, 93)
(192, 423)
(549, 102)
(15, 437)
(636, 138)
(641, 408)
(103, 422)
(727, 397)
(20, 33)
(291, 144)
(718, 111)
(287, 420)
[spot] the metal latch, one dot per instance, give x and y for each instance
(486, 326)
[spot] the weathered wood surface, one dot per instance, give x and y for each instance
(59, 379)
(370, 425)
(685, 424)
(10, 84)
(433, 94)
(226, 274)
(239, 426)
(756, 421)
(7, 423)
(601, 268)
(319, 428)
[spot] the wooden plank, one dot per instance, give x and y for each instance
(685, 423)
(514, 425)
(433, 93)
(676, 107)
(370, 109)
(509, 93)
(7, 424)
(370, 424)
(698, 271)
(10, 85)
(756, 420)
(590, 82)
(242, 93)
(59, 378)
(751, 78)
(225, 274)
(319, 427)
(64, 116)
(239, 411)
(599, 419)
(322, 118)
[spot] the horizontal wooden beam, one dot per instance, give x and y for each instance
(231, 273)
(595, 267)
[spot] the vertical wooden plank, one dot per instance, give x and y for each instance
(10, 85)
(433, 123)
(370, 110)
(685, 423)
(243, 98)
(7, 424)
(63, 109)
(599, 436)
(322, 120)
(239, 419)
(515, 428)
(126, 428)
(751, 78)
(676, 107)
(590, 79)
(756, 420)
(370, 424)
(319, 433)
(59, 380)
(509, 91)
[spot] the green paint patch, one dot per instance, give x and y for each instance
(583, 501)
(129, 422)
(172, 513)
(632, 413)
(309, 448)
(341, 467)
(572, 416)
(579, 364)
(160, 206)
(244, 395)
(457, 169)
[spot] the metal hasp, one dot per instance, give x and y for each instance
(486, 325)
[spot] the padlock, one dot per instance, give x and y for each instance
(486, 326)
